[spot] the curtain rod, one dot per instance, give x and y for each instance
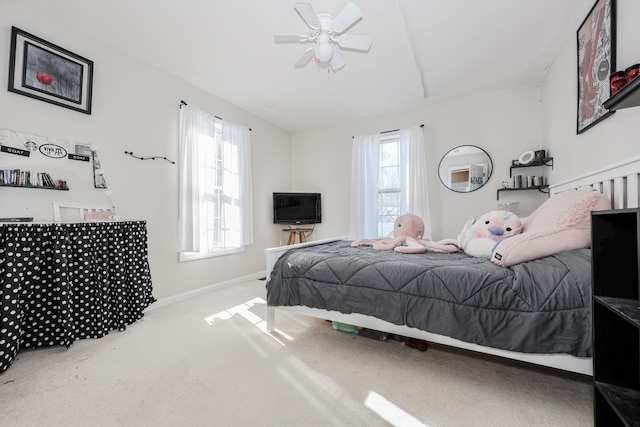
(219, 118)
(389, 131)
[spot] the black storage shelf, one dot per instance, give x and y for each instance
(623, 401)
(540, 188)
(628, 309)
(547, 161)
(34, 186)
(627, 97)
(615, 258)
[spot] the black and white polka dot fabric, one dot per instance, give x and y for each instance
(64, 282)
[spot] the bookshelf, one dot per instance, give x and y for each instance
(29, 179)
(41, 187)
(616, 316)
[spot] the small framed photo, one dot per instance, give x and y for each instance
(44, 71)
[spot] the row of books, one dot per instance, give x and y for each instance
(26, 178)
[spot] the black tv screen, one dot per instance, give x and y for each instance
(296, 208)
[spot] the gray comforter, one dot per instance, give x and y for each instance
(541, 306)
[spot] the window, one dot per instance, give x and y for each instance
(389, 185)
(388, 179)
(215, 186)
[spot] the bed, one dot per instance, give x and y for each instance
(535, 310)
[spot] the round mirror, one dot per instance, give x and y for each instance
(465, 168)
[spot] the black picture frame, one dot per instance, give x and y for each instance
(41, 70)
(596, 42)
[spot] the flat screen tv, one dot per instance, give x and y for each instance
(296, 208)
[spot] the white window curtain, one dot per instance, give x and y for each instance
(197, 127)
(414, 159)
(364, 181)
(237, 140)
(364, 186)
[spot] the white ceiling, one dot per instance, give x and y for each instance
(422, 49)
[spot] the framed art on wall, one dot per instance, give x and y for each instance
(596, 60)
(44, 71)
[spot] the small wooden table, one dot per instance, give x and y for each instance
(302, 237)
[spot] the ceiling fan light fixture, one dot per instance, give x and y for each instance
(327, 33)
(324, 49)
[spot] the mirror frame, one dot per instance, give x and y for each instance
(489, 173)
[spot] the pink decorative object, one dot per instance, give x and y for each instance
(617, 81)
(632, 72)
(44, 78)
(407, 238)
(561, 223)
(98, 216)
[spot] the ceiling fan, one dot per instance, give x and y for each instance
(327, 33)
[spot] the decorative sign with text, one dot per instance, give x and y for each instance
(79, 157)
(13, 150)
(54, 151)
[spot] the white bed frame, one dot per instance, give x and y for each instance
(620, 182)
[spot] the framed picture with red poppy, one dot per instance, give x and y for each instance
(596, 39)
(44, 71)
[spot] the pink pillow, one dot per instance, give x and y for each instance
(561, 223)
(98, 215)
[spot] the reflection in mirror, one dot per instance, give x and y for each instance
(465, 168)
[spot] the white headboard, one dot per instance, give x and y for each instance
(619, 182)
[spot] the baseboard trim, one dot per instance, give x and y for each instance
(163, 302)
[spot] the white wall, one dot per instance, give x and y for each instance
(136, 108)
(612, 140)
(504, 123)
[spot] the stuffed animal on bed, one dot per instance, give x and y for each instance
(407, 238)
(480, 237)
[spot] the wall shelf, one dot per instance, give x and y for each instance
(34, 186)
(547, 161)
(627, 97)
(540, 188)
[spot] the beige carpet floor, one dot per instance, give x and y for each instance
(207, 361)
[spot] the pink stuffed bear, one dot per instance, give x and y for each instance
(407, 238)
(479, 238)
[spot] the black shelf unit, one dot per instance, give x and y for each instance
(627, 97)
(34, 186)
(615, 260)
(540, 188)
(547, 161)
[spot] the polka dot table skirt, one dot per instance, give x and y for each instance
(64, 282)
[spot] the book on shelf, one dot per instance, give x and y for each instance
(19, 177)
(47, 181)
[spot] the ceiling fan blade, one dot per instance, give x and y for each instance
(355, 42)
(306, 12)
(337, 61)
(280, 38)
(348, 16)
(305, 57)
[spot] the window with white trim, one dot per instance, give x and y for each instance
(388, 178)
(389, 184)
(215, 187)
